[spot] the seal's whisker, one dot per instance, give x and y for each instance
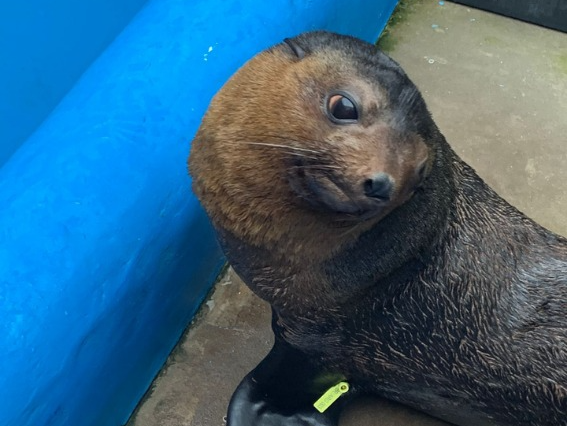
(312, 142)
(316, 166)
(273, 145)
(299, 154)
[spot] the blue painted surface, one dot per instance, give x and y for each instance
(104, 253)
(44, 48)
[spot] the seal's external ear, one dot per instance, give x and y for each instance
(296, 48)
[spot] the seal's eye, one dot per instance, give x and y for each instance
(341, 109)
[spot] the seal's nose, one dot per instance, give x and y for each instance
(379, 186)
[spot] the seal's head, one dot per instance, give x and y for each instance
(319, 132)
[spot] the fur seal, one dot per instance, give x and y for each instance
(389, 264)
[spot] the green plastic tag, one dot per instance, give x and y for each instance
(329, 397)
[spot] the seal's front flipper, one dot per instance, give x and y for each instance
(282, 390)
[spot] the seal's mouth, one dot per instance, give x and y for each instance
(329, 192)
(349, 196)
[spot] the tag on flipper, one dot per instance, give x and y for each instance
(330, 396)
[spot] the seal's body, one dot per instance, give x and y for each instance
(387, 261)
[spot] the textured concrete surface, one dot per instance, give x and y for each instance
(498, 90)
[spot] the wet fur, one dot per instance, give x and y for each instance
(451, 301)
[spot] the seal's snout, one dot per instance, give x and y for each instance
(379, 186)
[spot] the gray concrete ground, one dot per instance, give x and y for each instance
(498, 90)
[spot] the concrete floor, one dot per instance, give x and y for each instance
(498, 90)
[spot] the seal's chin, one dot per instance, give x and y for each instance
(333, 196)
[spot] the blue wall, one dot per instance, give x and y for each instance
(44, 48)
(104, 253)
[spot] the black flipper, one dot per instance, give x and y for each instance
(281, 391)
